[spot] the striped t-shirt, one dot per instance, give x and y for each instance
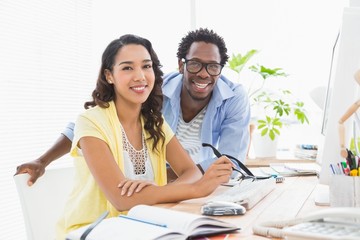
(189, 135)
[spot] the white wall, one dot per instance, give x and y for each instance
(297, 36)
(163, 22)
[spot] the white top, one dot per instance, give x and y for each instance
(137, 164)
(130, 173)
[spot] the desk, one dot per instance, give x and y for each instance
(292, 198)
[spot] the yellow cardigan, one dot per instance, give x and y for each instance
(86, 201)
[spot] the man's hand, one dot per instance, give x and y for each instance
(35, 168)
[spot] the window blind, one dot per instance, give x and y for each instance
(46, 76)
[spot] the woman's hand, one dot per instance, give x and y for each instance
(34, 168)
(129, 186)
(218, 173)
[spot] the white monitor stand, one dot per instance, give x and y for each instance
(344, 92)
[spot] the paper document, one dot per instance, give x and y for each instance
(292, 169)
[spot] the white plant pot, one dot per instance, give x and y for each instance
(263, 146)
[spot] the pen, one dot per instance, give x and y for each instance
(351, 160)
(140, 220)
(332, 169)
(340, 167)
(337, 169)
(345, 168)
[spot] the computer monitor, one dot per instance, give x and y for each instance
(342, 90)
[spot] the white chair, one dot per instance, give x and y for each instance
(43, 203)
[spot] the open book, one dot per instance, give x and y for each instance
(149, 222)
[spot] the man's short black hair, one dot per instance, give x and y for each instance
(202, 35)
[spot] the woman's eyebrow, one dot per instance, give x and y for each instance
(131, 62)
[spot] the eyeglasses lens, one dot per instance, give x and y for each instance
(213, 69)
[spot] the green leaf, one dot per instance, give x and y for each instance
(264, 131)
(238, 62)
(272, 135)
(276, 131)
(268, 72)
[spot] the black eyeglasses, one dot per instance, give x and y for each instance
(193, 66)
(244, 171)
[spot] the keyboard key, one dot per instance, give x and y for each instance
(248, 193)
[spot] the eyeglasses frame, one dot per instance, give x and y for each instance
(203, 65)
(244, 171)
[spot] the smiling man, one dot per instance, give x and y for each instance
(212, 109)
(200, 105)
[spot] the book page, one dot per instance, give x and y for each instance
(121, 228)
(179, 221)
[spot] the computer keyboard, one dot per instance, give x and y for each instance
(248, 193)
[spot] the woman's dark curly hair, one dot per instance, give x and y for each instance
(202, 35)
(105, 92)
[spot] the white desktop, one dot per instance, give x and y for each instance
(341, 93)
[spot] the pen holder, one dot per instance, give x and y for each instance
(344, 191)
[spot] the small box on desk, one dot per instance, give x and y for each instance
(344, 191)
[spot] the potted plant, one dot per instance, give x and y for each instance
(271, 108)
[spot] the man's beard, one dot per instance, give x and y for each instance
(197, 98)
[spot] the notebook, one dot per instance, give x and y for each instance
(155, 223)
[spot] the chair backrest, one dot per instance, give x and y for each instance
(43, 203)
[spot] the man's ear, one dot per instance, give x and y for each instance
(181, 66)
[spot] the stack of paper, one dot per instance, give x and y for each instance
(306, 151)
(292, 169)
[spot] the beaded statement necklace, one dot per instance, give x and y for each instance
(137, 158)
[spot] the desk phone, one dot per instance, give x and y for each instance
(342, 223)
(333, 223)
(323, 230)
